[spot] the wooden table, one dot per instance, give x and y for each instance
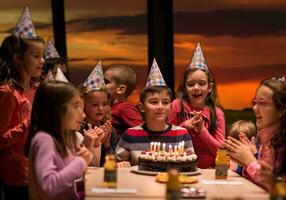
(151, 190)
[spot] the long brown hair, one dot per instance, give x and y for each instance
(48, 110)
(210, 100)
(278, 88)
(12, 46)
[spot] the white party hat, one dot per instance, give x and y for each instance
(49, 76)
(60, 76)
(95, 80)
(25, 26)
(155, 77)
(198, 60)
(51, 51)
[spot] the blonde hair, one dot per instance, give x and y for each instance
(247, 127)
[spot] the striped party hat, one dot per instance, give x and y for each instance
(198, 60)
(155, 77)
(25, 27)
(95, 80)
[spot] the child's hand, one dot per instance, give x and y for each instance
(107, 127)
(101, 134)
(85, 154)
(238, 151)
(195, 123)
(251, 144)
(90, 137)
(123, 164)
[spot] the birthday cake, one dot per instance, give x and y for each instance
(159, 160)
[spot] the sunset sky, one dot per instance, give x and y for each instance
(243, 41)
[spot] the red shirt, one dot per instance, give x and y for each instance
(205, 144)
(124, 116)
(14, 127)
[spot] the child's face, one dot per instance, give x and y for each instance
(74, 114)
(96, 106)
(197, 88)
(33, 60)
(264, 108)
(110, 84)
(156, 106)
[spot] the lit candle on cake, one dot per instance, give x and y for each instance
(183, 146)
(164, 148)
(158, 146)
(154, 146)
(170, 149)
(176, 149)
(151, 146)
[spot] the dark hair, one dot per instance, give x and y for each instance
(11, 46)
(50, 63)
(210, 100)
(48, 110)
(153, 90)
(278, 88)
(125, 75)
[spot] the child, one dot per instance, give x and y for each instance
(244, 131)
(155, 103)
(51, 143)
(120, 81)
(269, 107)
(97, 110)
(54, 61)
(22, 60)
(195, 109)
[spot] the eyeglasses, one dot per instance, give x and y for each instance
(261, 103)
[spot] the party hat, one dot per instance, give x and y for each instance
(155, 77)
(60, 76)
(95, 80)
(198, 60)
(49, 76)
(25, 26)
(50, 51)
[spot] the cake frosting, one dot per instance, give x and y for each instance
(159, 160)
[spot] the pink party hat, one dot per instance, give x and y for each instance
(50, 76)
(60, 76)
(95, 80)
(155, 77)
(198, 60)
(50, 51)
(25, 26)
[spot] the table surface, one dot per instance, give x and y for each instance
(147, 188)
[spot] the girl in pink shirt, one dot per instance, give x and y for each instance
(269, 107)
(22, 59)
(55, 160)
(195, 109)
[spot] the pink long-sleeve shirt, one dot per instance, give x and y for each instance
(14, 126)
(205, 144)
(266, 153)
(52, 176)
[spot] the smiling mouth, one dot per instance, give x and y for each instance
(197, 95)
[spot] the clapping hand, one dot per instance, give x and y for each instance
(251, 144)
(107, 128)
(238, 151)
(92, 137)
(196, 122)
